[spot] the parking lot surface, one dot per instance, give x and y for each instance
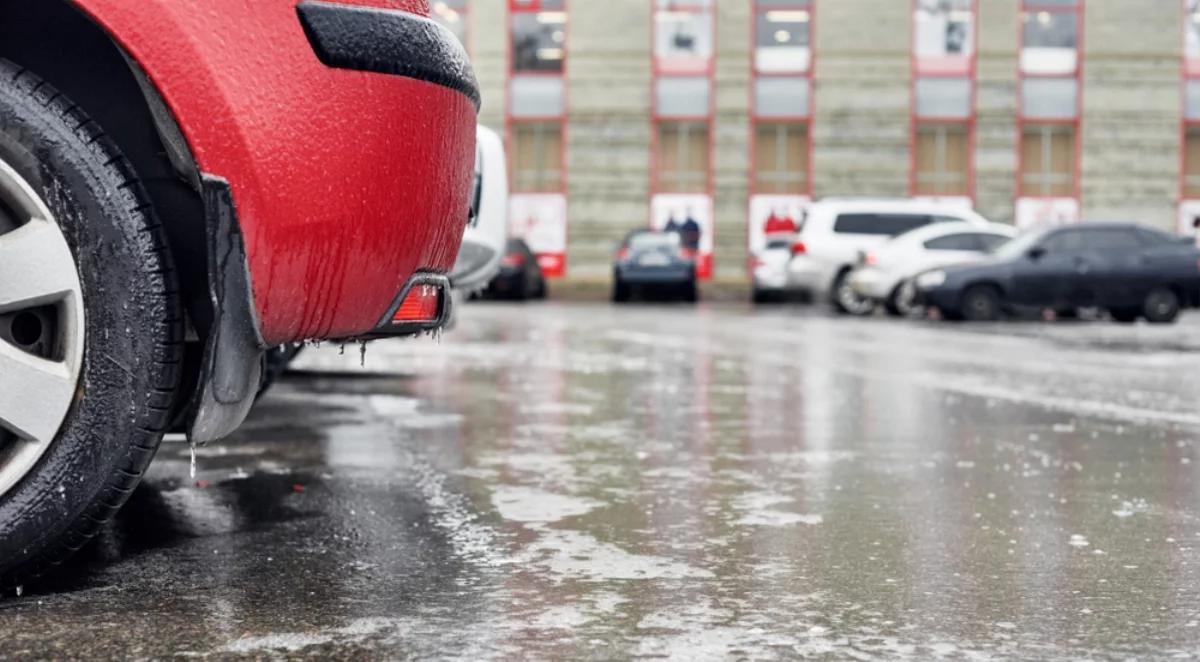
(586, 481)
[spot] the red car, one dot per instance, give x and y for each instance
(182, 186)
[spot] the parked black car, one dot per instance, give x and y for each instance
(653, 262)
(519, 277)
(1129, 270)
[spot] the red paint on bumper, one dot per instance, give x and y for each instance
(346, 183)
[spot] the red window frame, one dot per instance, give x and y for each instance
(657, 119)
(805, 120)
(511, 121)
(1191, 73)
(516, 7)
(1075, 123)
(916, 120)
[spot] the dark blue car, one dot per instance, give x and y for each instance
(1129, 270)
(654, 262)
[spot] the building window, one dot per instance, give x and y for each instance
(783, 36)
(537, 157)
(683, 157)
(1048, 160)
(539, 37)
(781, 158)
(942, 160)
(453, 14)
(1050, 92)
(943, 98)
(536, 122)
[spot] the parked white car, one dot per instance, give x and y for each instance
(886, 275)
(769, 271)
(837, 230)
(487, 232)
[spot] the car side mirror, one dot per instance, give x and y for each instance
(1036, 253)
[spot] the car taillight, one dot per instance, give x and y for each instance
(423, 303)
(622, 253)
(870, 259)
(798, 248)
(514, 260)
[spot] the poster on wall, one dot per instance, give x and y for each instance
(1041, 212)
(1189, 219)
(541, 220)
(775, 216)
(691, 216)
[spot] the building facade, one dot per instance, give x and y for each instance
(625, 113)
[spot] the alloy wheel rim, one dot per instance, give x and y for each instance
(41, 328)
(906, 298)
(850, 299)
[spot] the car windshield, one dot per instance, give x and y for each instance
(646, 241)
(1019, 245)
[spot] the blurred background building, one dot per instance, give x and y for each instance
(726, 113)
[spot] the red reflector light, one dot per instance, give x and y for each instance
(623, 253)
(870, 259)
(798, 248)
(422, 304)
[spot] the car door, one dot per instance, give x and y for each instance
(1048, 274)
(1120, 271)
(950, 249)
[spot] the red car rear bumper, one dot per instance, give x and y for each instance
(346, 182)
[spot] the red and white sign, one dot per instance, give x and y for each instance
(1041, 212)
(692, 216)
(1189, 219)
(541, 220)
(775, 215)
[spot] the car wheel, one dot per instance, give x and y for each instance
(1125, 315)
(690, 293)
(846, 300)
(903, 300)
(275, 362)
(620, 293)
(1161, 306)
(91, 331)
(980, 303)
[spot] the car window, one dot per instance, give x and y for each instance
(890, 225)
(1150, 237)
(962, 241)
(1111, 239)
(1064, 241)
(654, 240)
(948, 219)
(990, 242)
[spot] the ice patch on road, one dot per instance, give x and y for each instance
(580, 556)
(524, 504)
(779, 518)
(357, 631)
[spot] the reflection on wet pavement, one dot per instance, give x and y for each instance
(575, 481)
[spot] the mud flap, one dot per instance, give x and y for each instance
(231, 368)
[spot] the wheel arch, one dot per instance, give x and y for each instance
(71, 52)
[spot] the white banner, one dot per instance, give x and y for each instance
(1039, 212)
(691, 216)
(772, 215)
(541, 220)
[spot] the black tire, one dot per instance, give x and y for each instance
(900, 302)
(1161, 306)
(275, 362)
(132, 329)
(759, 296)
(620, 293)
(847, 302)
(690, 292)
(980, 303)
(1125, 315)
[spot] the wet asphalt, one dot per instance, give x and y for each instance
(567, 481)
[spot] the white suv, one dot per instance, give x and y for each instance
(837, 230)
